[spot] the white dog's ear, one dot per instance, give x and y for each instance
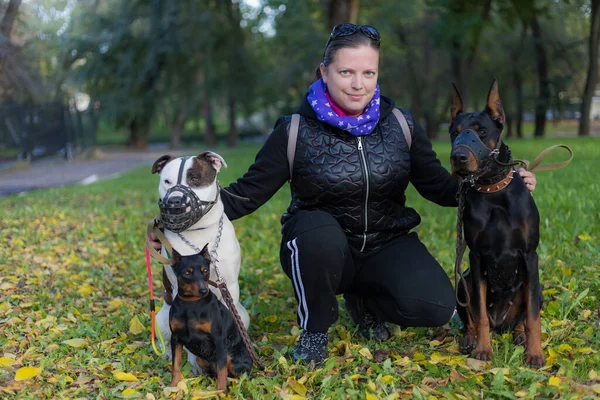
(160, 163)
(216, 160)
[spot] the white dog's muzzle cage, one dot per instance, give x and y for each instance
(181, 207)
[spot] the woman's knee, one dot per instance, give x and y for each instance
(314, 234)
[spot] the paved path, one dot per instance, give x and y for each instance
(56, 172)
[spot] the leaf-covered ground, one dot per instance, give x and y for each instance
(74, 318)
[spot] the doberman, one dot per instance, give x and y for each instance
(501, 227)
(201, 323)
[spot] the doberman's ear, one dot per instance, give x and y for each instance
(457, 104)
(494, 104)
(160, 163)
(216, 160)
(204, 253)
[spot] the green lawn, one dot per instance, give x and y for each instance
(73, 292)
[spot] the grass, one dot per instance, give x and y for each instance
(74, 313)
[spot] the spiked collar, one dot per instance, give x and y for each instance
(497, 186)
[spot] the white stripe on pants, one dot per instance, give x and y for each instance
(298, 286)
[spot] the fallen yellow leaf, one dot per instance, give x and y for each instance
(585, 314)
(475, 364)
(125, 376)
(297, 387)
(86, 290)
(25, 373)
(6, 362)
(75, 342)
(565, 347)
(366, 353)
(201, 394)
(369, 396)
(437, 358)
(596, 388)
(130, 393)
(592, 375)
(271, 318)
(387, 379)
(586, 350)
(135, 326)
(554, 381)
(584, 237)
(371, 385)
(116, 303)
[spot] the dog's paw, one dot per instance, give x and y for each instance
(483, 354)
(535, 360)
(468, 344)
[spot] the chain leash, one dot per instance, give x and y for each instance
(222, 286)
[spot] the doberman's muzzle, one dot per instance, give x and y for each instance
(468, 143)
(181, 208)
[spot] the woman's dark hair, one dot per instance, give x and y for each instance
(355, 40)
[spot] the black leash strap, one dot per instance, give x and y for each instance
(238, 322)
(460, 245)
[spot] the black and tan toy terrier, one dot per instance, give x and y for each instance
(201, 323)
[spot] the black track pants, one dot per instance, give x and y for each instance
(400, 283)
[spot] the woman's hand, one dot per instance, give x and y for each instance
(529, 179)
(154, 242)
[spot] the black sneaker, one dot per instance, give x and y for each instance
(369, 326)
(311, 347)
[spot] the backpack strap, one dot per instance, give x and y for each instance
(404, 125)
(292, 139)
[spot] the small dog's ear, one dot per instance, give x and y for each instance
(160, 163)
(204, 253)
(457, 104)
(175, 257)
(216, 160)
(494, 104)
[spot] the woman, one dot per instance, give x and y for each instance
(347, 229)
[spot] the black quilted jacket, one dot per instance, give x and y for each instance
(360, 181)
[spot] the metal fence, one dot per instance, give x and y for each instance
(34, 131)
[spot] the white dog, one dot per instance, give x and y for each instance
(192, 213)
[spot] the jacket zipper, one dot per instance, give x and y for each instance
(366, 172)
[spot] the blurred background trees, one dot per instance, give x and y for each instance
(209, 69)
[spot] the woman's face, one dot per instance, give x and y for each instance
(351, 78)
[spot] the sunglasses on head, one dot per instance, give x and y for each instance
(348, 29)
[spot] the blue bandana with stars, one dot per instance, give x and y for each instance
(364, 124)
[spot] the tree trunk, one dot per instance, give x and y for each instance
(457, 69)
(416, 87)
(543, 99)
(474, 45)
(138, 134)
(341, 11)
(232, 137)
(10, 16)
(210, 135)
(176, 128)
(431, 124)
(93, 122)
(518, 83)
(509, 125)
(518, 86)
(6, 27)
(592, 73)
